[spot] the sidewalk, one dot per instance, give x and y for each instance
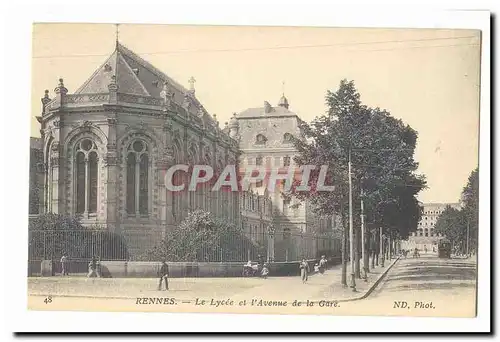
(319, 287)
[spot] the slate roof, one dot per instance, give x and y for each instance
(261, 112)
(134, 75)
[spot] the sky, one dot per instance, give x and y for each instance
(429, 78)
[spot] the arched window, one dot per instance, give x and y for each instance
(177, 180)
(48, 178)
(287, 138)
(260, 139)
(286, 234)
(286, 205)
(86, 177)
(137, 178)
(191, 194)
(206, 188)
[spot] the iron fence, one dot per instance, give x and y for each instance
(79, 246)
(76, 244)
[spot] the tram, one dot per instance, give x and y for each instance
(444, 248)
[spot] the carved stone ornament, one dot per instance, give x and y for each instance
(54, 161)
(55, 146)
(201, 112)
(167, 95)
(110, 160)
(186, 103)
(167, 126)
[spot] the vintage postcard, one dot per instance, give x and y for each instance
(254, 170)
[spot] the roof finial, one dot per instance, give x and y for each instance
(117, 33)
(191, 82)
(283, 101)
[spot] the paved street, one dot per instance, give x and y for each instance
(427, 286)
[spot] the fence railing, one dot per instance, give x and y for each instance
(76, 244)
(82, 245)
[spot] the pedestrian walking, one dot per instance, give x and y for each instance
(163, 274)
(322, 264)
(265, 271)
(93, 269)
(64, 264)
(304, 270)
(416, 254)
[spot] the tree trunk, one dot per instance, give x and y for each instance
(345, 232)
(366, 259)
(357, 240)
(373, 244)
(382, 248)
(389, 245)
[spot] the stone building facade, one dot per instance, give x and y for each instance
(425, 237)
(266, 141)
(105, 149)
(107, 146)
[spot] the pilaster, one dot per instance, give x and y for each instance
(111, 173)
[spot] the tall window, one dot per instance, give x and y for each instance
(137, 178)
(177, 179)
(258, 161)
(192, 194)
(286, 205)
(286, 161)
(86, 177)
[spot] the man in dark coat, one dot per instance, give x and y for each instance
(163, 274)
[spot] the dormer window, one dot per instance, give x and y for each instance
(287, 138)
(260, 139)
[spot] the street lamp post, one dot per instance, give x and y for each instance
(270, 242)
(363, 242)
(351, 229)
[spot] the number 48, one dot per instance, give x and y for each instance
(48, 300)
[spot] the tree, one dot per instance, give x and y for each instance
(461, 226)
(452, 223)
(470, 196)
(381, 150)
(201, 237)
